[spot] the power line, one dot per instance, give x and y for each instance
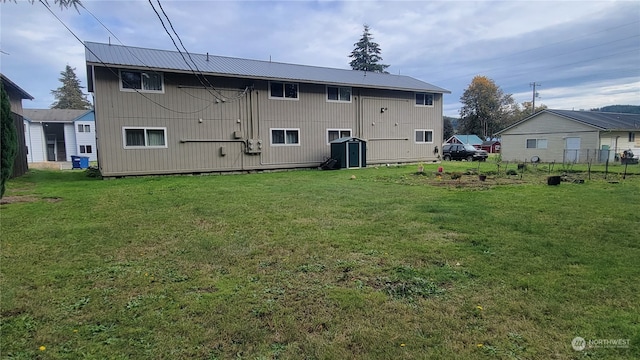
(149, 67)
(110, 69)
(199, 75)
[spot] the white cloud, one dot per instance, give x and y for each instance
(582, 52)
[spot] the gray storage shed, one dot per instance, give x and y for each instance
(349, 152)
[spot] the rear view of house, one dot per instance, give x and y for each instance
(571, 136)
(158, 112)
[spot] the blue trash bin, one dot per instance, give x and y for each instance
(79, 162)
(84, 162)
(75, 162)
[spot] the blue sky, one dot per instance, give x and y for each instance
(585, 54)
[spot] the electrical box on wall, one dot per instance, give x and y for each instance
(254, 146)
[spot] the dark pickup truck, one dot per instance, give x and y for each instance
(463, 152)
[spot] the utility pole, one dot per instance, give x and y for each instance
(535, 95)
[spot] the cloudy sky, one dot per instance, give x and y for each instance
(584, 54)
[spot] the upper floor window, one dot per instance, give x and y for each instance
(337, 93)
(278, 90)
(424, 99)
(84, 128)
(632, 136)
(144, 81)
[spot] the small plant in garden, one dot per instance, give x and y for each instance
(94, 172)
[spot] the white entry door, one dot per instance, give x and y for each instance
(572, 149)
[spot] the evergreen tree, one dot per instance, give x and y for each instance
(447, 128)
(366, 54)
(69, 95)
(8, 141)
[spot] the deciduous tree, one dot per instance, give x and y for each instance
(366, 55)
(447, 128)
(485, 108)
(69, 95)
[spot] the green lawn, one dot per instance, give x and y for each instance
(319, 265)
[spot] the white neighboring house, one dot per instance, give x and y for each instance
(58, 134)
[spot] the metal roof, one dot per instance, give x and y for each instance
(53, 115)
(23, 94)
(99, 54)
(600, 120)
(467, 139)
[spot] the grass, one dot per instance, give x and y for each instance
(316, 265)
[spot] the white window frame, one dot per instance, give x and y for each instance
(84, 128)
(86, 149)
(141, 82)
(632, 136)
(423, 131)
(283, 97)
(146, 138)
(540, 143)
(424, 103)
(339, 88)
(271, 130)
(339, 132)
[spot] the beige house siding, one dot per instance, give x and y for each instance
(198, 126)
(555, 130)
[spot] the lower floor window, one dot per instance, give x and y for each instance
(144, 137)
(333, 134)
(424, 136)
(536, 143)
(285, 136)
(85, 149)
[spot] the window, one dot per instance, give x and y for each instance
(333, 134)
(424, 136)
(288, 91)
(632, 136)
(84, 128)
(85, 149)
(340, 94)
(285, 137)
(144, 81)
(536, 143)
(144, 137)
(424, 99)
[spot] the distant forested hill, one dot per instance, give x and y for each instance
(627, 109)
